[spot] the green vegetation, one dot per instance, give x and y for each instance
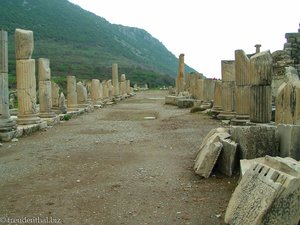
(80, 43)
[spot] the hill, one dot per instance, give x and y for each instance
(81, 43)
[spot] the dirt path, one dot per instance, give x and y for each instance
(112, 167)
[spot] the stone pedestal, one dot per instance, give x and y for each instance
(26, 87)
(71, 93)
(115, 80)
(45, 93)
(217, 106)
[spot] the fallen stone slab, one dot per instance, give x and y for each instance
(256, 141)
(209, 152)
(228, 158)
(171, 100)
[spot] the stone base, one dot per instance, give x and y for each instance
(171, 100)
(28, 119)
(7, 136)
(206, 105)
(226, 115)
(47, 115)
(7, 125)
(29, 129)
(185, 103)
(240, 120)
(51, 121)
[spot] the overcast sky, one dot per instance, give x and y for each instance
(206, 31)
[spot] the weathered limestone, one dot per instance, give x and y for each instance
(81, 95)
(261, 69)
(24, 44)
(180, 78)
(26, 81)
(72, 93)
(208, 92)
(217, 106)
(228, 157)
(105, 90)
(26, 86)
(260, 104)
(228, 70)
(288, 99)
(256, 141)
(45, 92)
(55, 95)
(289, 140)
(228, 100)
(268, 193)
(242, 91)
(200, 89)
(185, 103)
(292, 47)
(128, 88)
(110, 89)
(7, 124)
(209, 152)
(228, 90)
(115, 80)
(123, 85)
(95, 91)
(281, 60)
(62, 103)
(257, 48)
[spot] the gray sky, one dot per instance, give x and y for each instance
(205, 31)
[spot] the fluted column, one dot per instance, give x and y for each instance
(115, 80)
(242, 94)
(6, 122)
(72, 93)
(228, 90)
(180, 77)
(26, 81)
(217, 106)
(45, 92)
(261, 70)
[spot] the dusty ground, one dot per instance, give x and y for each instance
(112, 167)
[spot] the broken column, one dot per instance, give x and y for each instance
(123, 84)
(26, 81)
(81, 95)
(95, 92)
(288, 99)
(208, 93)
(7, 124)
(128, 89)
(105, 89)
(110, 89)
(45, 93)
(72, 93)
(242, 92)
(180, 76)
(115, 80)
(228, 90)
(261, 69)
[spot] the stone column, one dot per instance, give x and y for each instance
(257, 48)
(110, 89)
(105, 89)
(208, 93)
(45, 94)
(123, 84)
(115, 80)
(217, 105)
(95, 90)
(7, 124)
(55, 95)
(128, 89)
(62, 103)
(228, 90)
(199, 89)
(71, 93)
(26, 81)
(261, 70)
(180, 77)
(81, 95)
(242, 94)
